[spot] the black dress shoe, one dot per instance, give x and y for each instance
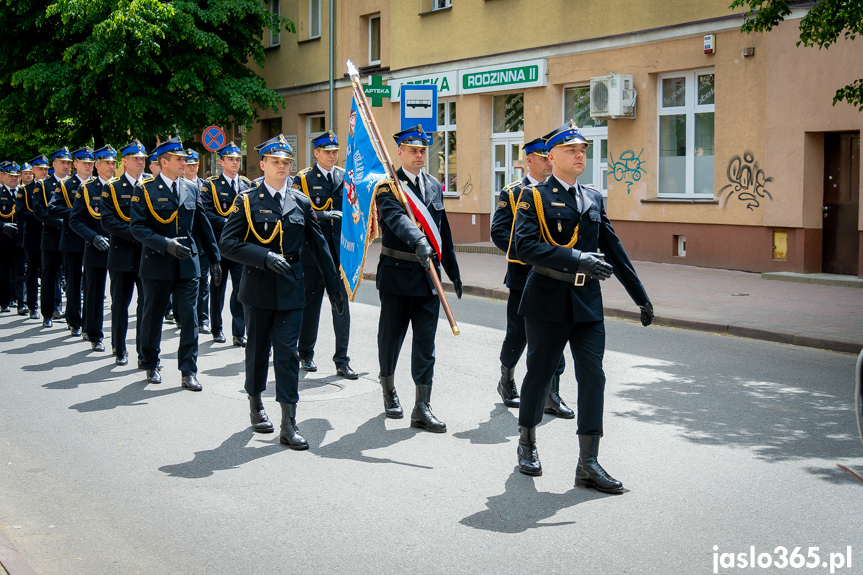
(122, 359)
(589, 473)
(58, 315)
(507, 389)
(47, 323)
(34, 315)
(219, 337)
(190, 382)
(23, 310)
(239, 340)
(308, 365)
(205, 328)
(392, 406)
(528, 457)
(97, 346)
(153, 376)
(260, 421)
(422, 416)
(346, 372)
(169, 316)
(290, 433)
(554, 405)
(5, 309)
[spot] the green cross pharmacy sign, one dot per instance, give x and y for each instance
(376, 91)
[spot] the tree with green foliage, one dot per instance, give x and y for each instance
(822, 26)
(96, 71)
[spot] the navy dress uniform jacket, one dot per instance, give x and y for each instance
(124, 255)
(502, 231)
(402, 277)
(242, 242)
(24, 210)
(313, 183)
(218, 196)
(552, 300)
(85, 220)
(60, 206)
(51, 225)
(158, 216)
(8, 215)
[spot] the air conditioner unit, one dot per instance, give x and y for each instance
(612, 96)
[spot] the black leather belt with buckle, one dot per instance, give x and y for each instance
(399, 255)
(577, 280)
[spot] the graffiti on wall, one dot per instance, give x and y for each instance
(627, 168)
(747, 181)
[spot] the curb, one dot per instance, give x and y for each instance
(695, 325)
(11, 560)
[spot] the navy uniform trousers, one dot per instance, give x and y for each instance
(85, 220)
(274, 303)
(52, 258)
(32, 242)
(72, 248)
(557, 311)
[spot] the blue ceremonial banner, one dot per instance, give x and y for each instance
(364, 171)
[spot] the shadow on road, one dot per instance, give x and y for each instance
(232, 453)
(134, 394)
(104, 373)
(521, 507)
(501, 425)
(84, 354)
(775, 421)
(27, 333)
(372, 434)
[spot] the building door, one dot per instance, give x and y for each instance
(840, 239)
(507, 165)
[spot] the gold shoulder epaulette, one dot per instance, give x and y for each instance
(148, 179)
(246, 179)
(304, 171)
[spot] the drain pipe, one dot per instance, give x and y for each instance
(332, 80)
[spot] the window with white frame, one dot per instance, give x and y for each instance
(686, 133)
(442, 163)
(441, 4)
(374, 40)
(275, 33)
(314, 18)
(576, 107)
(316, 124)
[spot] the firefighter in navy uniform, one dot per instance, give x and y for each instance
(563, 231)
(85, 220)
(168, 220)
(266, 231)
(323, 184)
(52, 231)
(124, 255)
(190, 172)
(502, 224)
(71, 244)
(32, 233)
(218, 195)
(12, 237)
(403, 282)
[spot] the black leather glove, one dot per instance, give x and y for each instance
(10, 229)
(278, 264)
(337, 301)
(646, 314)
(101, 243)
(593, 266)
(177, 249)
(333, 215)
(216, 273)
(456, 284)
(423, 251)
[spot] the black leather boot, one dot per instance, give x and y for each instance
(260, 421)
(290, 433)
(422, 416)
(392, 407)
(528, 457)
(506, 387)
(554, 405)
(589, 473)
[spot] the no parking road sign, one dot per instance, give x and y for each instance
(213, 138)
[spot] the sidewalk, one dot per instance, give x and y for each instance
(719, 301)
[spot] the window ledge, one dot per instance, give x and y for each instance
(435, 11)
(273, 47)
(680, 201)
(307, 40)
(451, 195)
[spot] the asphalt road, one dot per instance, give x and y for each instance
(719, 441)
